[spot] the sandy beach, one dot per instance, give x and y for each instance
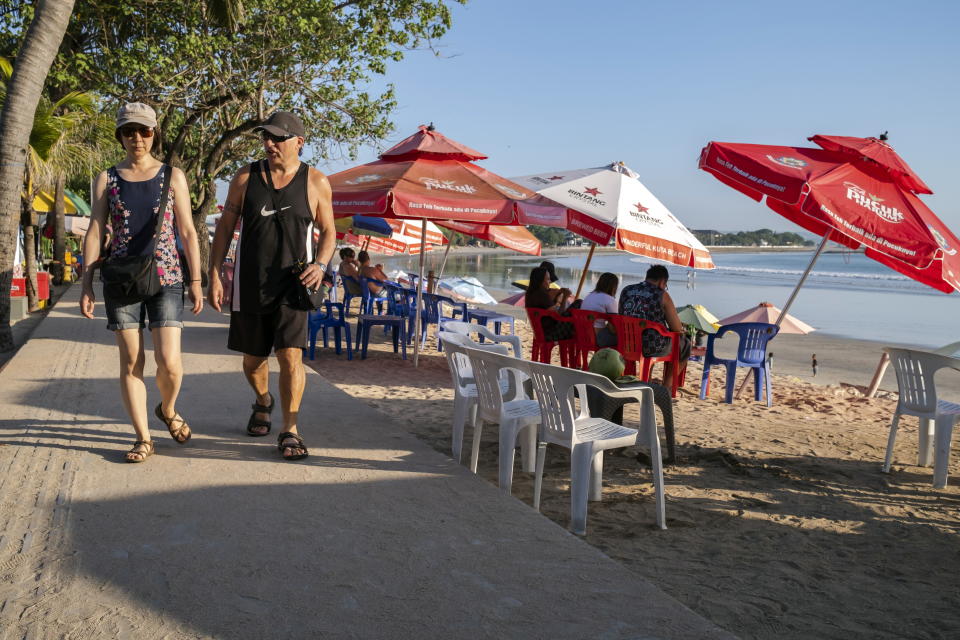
(780, 522)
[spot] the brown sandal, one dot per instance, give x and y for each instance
(178, 432)
(142, 448)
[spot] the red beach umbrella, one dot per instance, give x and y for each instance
(854, 205)
(431, 177)
(875, 150)
(514, 238)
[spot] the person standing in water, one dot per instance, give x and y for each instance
(813, 364)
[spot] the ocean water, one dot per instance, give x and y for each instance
(846, 295)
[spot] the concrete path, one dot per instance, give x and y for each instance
(374, 536)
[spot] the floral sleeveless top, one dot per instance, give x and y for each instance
(132, 208)
(645, 301)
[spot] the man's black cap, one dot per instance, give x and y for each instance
(283, 123)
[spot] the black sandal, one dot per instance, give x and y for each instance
(289, 435)
(255, 422)
(144, 454)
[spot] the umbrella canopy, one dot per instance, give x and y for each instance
(369, 224)
(766, 312)
(413, 230)
(429, 176)
(465, 290)
(698, 316)
(516, 239)
(396, 244)
(607, 202)
(854, 205)
(875, 150)
(43, 203)
(516, 300)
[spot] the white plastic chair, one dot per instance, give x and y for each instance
(516, 413)
(588, 437)
(464, 389)
(470, 328)
(918, 397)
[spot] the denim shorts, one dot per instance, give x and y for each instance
(164, 310)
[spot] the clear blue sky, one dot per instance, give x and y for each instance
(543, 85)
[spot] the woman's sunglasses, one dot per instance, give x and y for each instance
(129, 132)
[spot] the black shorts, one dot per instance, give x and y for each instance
(257, 334)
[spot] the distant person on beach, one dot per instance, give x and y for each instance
(375, 272)
(649, 300)
(351, 268)
(280, 200)
(130, 193)
(770, 361)
(813, 364)
(603, 299)
(541, 296)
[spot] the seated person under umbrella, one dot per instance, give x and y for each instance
(349, 267)
(375, 272)
(649, 300)
(540, 296)
(602, 299)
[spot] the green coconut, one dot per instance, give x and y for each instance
(608, 362)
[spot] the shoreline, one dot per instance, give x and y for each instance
(583, 249)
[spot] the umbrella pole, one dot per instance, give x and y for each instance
(444, 263)
(793, 296)
(583, 276)
(416, 318)
(803, 278)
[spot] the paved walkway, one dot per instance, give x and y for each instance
(374, 536)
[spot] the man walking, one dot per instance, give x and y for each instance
(279, 201)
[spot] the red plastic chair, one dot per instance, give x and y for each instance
(542, 350)
(630, 345)
(583, 321)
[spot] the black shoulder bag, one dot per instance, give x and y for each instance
(130, 279)
(301, 298)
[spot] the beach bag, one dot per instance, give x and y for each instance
(131, 279)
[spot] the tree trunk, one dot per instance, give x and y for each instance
(39, 48)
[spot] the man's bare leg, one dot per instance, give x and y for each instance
(292, 381)
(257, 372)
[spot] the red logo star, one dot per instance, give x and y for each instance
(592, 191)
(555, 178)
(641, 208)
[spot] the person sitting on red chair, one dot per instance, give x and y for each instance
(649, 300)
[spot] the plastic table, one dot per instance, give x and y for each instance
(482, 316)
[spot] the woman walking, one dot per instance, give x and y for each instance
(128, 196)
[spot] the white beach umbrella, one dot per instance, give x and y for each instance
(611, 202)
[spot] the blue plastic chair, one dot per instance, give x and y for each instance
(334, 318)
(348, 283)
(396, 321)
(751, 352)
(458, 311)
(369, 297)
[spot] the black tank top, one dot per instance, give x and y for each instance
(264, 276)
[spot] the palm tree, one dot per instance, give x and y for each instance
(67, 137)
(39, 48)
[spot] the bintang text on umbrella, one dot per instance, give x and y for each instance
(431, 177)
